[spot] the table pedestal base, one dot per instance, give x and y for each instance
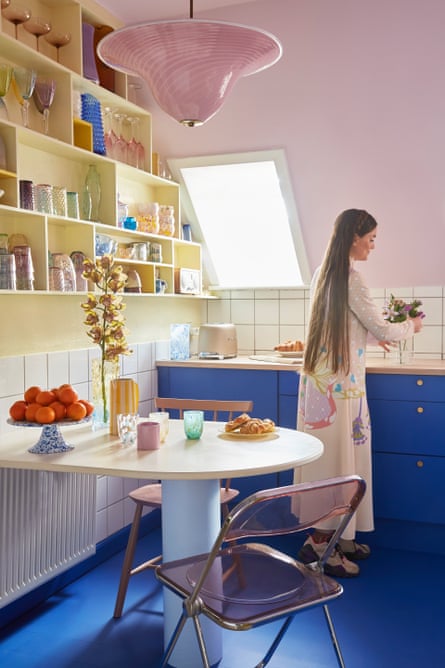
(191, 521)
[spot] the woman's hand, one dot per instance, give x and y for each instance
(386, 345)
(417, 322)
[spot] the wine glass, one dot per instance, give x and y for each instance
(43, 95)
(37, 27)
(120, 147)
(16, 14)
(5, 82)
(23, 83)
(110, 136)
(135, 149)
(58, 39)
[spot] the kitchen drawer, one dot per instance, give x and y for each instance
(409, 488)
(405, 387)
(408, 427)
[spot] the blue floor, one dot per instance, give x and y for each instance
(391, 616)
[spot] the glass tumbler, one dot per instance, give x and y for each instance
(59, 200)
(127, 427)
(193, 424)
(43, 194)
(162, 417)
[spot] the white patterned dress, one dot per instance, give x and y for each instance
(334, 407)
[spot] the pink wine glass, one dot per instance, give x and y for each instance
(43, 95)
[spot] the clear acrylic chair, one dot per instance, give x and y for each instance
(267, 585)
(150, 496)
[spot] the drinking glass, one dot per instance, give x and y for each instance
(37, 26)
(24, 82)
(43, 94)
(120, 147)
(58, 39)
(5, 82)
(110, 136)
(162, 417)
(127, 428)
(15, 14)
(135, 149)
(193, 424)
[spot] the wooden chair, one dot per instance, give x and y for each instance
(150, 496)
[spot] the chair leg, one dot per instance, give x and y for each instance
(173, 640)
(338, 653)
(278, 638)
(128, 560)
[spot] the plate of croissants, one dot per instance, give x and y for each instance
(246, 427)
(294, 349)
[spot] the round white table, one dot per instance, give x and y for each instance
(190, 472)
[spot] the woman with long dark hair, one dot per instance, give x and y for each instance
(332, 398)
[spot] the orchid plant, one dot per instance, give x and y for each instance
(104, 313)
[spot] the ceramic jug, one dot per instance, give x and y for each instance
(124, 398)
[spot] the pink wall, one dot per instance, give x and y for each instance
(358, 103)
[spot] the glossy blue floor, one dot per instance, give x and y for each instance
(391, 616)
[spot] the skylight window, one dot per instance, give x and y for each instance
(242, 210)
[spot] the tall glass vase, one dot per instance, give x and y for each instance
(102, 373)
(92, 187)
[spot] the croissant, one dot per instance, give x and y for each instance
(232, 425)
(290, 346)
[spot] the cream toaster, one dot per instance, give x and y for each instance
(217, 341)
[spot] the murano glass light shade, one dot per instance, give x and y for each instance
(190, 65)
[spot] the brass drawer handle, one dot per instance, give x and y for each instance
(419, 409)
(419, 464)
(419, 382)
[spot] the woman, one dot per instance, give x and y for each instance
(332, 399)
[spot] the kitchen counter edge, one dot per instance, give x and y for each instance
(425, 366)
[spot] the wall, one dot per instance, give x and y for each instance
(358, 103)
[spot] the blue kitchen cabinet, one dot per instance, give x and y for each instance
(288, 383)
(206, 383)
(408, 442)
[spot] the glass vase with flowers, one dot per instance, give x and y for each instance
(106, 327)
(398, 310)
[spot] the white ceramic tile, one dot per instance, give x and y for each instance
(429, 340)
(219, 311)
(144, 383)
(115, 489)
(58, 368)
(115, 517)
(267, 294)
(101, 492)
(377, 293)
(242, 294)
(101, 525)
(145, 356)
(243, 312)
(428, 291)
(266, 337)
(266, 311)
(129, 364)
(162, 350)
(36, 370)
(12, 376)
(291, 333)
(291, 293)
(433, 309)
(292, 312)
(78, 366)
(246, 338)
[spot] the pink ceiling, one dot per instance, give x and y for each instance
(358, 103)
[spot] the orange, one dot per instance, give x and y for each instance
(88, 405)
(67, 395)
(59, 409)
(31, 393)
(45, 415)
(76, 411)
(45, 397)
(30, 413)
(17, 410)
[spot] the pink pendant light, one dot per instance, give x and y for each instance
(190, 65)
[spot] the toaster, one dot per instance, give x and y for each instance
(217, 341)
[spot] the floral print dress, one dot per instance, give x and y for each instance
(334, 407)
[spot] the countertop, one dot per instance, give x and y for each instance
(420, 365)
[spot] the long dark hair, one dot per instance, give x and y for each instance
(328, 331)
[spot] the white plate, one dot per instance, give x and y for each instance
(66, 422)
(295, 354)
(236, 435)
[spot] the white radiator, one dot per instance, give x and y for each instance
(47, 524)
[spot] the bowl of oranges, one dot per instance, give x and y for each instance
(50, 409)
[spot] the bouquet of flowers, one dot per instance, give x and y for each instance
(104, 313)
(397, 310)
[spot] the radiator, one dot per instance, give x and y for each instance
(47, 525)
